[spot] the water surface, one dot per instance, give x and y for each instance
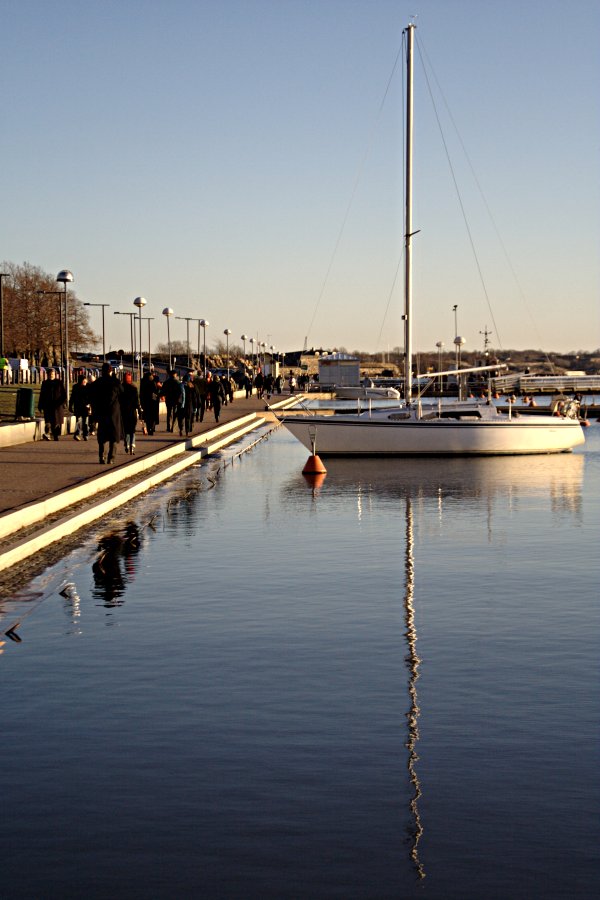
(385, 686)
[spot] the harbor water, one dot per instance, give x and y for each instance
(246, 685)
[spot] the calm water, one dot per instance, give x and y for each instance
(384, 687)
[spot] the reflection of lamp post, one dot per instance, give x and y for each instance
(2, 275)
(227, 332)
(132, 332)
(187, 320)
(65, 277)
(167, 313)
(204, 325)
(103, 305)
(140, 302)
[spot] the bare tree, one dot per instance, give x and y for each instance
(32, 319)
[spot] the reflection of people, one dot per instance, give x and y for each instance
(114, 567)
(106, 410)
(51, 403)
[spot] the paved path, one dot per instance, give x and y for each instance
(32, 471)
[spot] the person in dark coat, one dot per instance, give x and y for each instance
(51, 403)
(149, 399)
(216, 394)
(105, 395)
(173, 395)
(78, 405)
(190, 404)
(130, 409)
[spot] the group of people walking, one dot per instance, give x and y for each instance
(111, 409)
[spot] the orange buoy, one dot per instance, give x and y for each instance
(314, 466)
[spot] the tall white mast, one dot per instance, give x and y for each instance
(408, 232)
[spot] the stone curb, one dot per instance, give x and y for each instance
(201, 446)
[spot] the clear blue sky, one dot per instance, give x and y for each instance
(204, 153)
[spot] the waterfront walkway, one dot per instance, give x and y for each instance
(50, 490)
(35, 470)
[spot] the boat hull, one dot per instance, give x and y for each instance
(360, 436)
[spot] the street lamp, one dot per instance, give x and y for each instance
(65, 277)
(244, 338)
(440, 346)
(132, 332)
(187, 320)
(167, 313)
(140, 302)
(252, 342)
(2, 275)
(204, 325)
(227, 332)
(103, 305)
(149, 319)
(58, 294)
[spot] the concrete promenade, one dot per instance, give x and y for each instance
(50, 490)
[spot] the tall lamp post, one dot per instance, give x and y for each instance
(2, 275)
(204, 325)
(440, 346)
(187, 320)
(58, 294)
(132, 316)
(103, 305)
(252, 342)
(244, 338)
(167, 313)
(65, 277)
(149, 319)
(140, 302)
(227, 332)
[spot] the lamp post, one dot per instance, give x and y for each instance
(103, 305)
(227, 332)
(132, 316)
(65, 277)
(440, 346)
(149, 319)
(204, 325)
(2, 275)
(140, 302)
(252, 342)
(167, 313)
(187, 320)
(244, 338)
(58, 294)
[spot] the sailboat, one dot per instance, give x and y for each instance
(415, 429)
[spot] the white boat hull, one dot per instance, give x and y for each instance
(360, 393)
(384, 435)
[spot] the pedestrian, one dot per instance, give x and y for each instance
(79, 406)
(217, 395)
(173, 398)
(105, 394)
(149, 400)
(201, 385)
(130, 410)
(190, 403)
(259, 383)
(4, 369)
(51, 403)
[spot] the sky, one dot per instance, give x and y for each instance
(241, 161)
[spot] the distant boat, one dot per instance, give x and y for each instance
(416, 429)
(366, 390)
